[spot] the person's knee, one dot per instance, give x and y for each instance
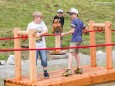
(44, 63)
(43, 57)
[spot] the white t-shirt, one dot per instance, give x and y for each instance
(39, 28)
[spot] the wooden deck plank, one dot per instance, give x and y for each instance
(89, 76)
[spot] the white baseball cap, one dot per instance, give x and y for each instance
(73, 10)
(60, 11)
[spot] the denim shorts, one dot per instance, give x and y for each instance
(43, 57)
(74, 44)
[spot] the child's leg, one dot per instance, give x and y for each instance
(71, 54)
(43, 57)
(70, 60)
(77, 60)
(37, 52)
(76, 55)
(68, 71)
(79, 69)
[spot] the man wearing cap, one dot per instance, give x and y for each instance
(77, 26)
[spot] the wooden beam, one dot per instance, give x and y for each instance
(17, 55)
(108, 48)
(98, 25)
(92, 42)
(22, 32)
(57, 43)
(32, 56)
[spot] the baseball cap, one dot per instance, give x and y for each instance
(73, 10)
(60, 11)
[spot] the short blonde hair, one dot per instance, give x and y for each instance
(37, 14)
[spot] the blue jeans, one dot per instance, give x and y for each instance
(43, 57)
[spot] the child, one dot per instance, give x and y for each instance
(41, 29)
(60, 17)
(76, 30)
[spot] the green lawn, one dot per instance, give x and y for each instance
(18, 13)
(105, 0)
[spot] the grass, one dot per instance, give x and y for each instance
(18, 13)
(105, 0)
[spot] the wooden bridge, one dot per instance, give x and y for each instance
(91, 74)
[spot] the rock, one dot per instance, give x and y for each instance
(99, 52)
(2, 62)
(113, 52)
(10, 60)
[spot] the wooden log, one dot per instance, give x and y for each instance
(108, 48)
(22, 32)
(32, 56)
(17, 55)
(92, 42)
(57, 43)
(98, 25)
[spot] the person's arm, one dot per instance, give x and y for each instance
(45, 30)
(73, 26)
(69, 32)
(42, 33)
(85, 29)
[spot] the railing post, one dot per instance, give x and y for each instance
(17, 55)
(57, 43)
(108, 48)
(92, 42)
(32, 56)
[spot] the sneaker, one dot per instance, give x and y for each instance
(46, 75)
(67, 72)
(78, 71)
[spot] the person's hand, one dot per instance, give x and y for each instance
(62, 34)
(38, 35)
(34, 34)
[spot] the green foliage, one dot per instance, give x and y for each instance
(105, 0)
(18, 13)
(2, 57)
